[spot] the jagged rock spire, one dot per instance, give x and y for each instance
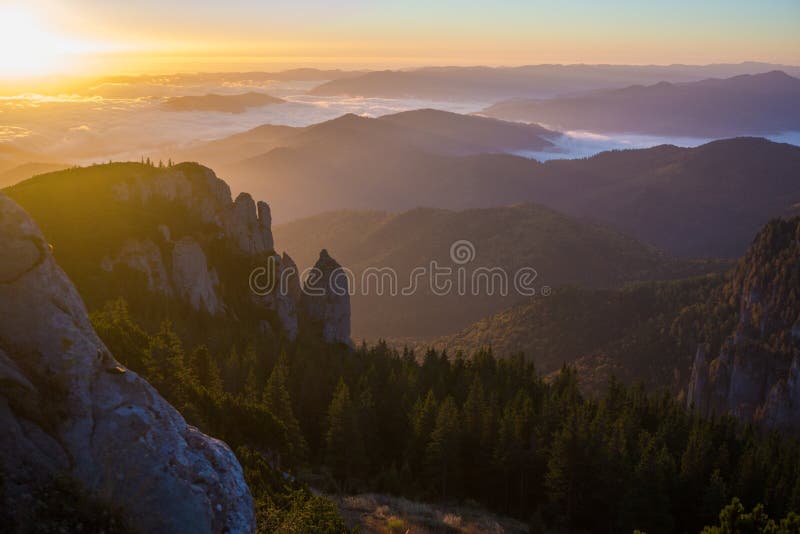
(326, 299)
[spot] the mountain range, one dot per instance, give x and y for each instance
(427, 130)
(728, 344)
(704, 201)
(747, 104)
(561, 249)
(238, 103)
(482, 84)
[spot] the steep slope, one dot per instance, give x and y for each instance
(67, 406)
(541, 81)
(742, 105)
(755, 372)
(561, 249)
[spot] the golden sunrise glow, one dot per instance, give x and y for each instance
(31, 48)
(28, 49)
(40, 38)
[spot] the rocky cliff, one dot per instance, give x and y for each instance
(176, 229)
(243, 223)
(755, 375)
(66, 405)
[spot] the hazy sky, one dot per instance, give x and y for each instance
(162, 35)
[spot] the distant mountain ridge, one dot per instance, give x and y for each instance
(238, 103)
(430, 130)
(747, 104)
(704, 201)
(530, 81)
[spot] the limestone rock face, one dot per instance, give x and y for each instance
(205, 196)
(287, 295)
(249, 226)
(193, 280)
(208, 198)
(67, 405)
(326, 300)
(756, 373)
(243, 223)
(145, 257)
(278, 289)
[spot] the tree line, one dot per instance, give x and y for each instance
(454, 428)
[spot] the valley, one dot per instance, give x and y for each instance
(399, 269)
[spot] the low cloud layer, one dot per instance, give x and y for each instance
(125, 120)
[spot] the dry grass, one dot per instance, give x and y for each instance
(383, 514)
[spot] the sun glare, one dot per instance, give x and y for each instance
(28, 48)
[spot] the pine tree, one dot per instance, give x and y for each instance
(443, 451)
(232, 372)
(252, 390)
(208, 373)
(423, 419)
(166, 366)
(279, 403)
(344, 446)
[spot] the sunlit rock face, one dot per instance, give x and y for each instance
(193, 279)
(249, 225)
(173, 234)
(244, 225)
(326, 300)
(205, 196)
(756, 374)
(145, 257)
(66, 405)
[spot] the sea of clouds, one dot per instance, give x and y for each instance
(126, 120)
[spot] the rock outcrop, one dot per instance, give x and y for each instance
(755, 375)
(193, 279)
(180, 228)
(143, 256)
(243, 223)
(288, 295)
(249, 225)
(67, 406)
(201, 193)
(326, 299)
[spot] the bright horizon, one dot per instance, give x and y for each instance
(93, 38)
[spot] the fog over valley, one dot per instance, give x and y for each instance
(134, 117)
(466, 268)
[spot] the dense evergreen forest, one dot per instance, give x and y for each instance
(453, 428)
